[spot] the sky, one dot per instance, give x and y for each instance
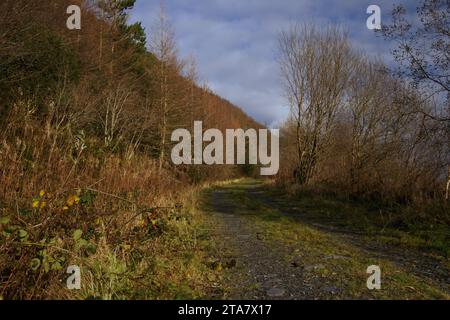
(235, 42)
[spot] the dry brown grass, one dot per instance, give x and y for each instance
(54, 182)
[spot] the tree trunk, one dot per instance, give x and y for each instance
(447, 191)
(163, 115)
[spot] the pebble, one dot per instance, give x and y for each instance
(276, 292)
(330, 289)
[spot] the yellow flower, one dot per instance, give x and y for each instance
(73, 199)
(42, 193)
(39, 204)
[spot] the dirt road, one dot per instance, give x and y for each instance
(268, 248)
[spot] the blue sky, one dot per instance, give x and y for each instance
(235, 41)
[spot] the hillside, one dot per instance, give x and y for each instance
(86, 177)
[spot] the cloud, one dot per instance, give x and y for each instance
(235, 42)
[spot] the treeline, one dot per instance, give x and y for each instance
(86, 179)
(364, 130)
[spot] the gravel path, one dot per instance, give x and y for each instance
(261, 271)
(258, 269)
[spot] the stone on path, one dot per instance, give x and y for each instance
(276, 292)
(330, 289)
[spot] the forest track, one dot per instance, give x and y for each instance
(269, 250)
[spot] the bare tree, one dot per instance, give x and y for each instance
(422, 50)
(113, 115)
(192, 75)
(162, 45)
(315, 69)
(368, 108)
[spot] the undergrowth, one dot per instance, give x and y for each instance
(67, 200)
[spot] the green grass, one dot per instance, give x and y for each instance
(425, 228)
(172, 265)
